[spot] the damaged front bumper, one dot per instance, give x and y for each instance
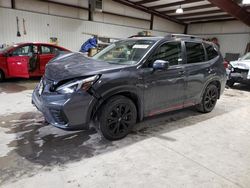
(64, 111)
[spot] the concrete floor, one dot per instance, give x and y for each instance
(180, 149)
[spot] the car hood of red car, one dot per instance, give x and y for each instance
(72, 65)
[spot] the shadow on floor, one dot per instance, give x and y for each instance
(243, 87)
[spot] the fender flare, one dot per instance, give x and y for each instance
(98, 102)
(209, 81)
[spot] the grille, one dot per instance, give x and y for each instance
(58, 116)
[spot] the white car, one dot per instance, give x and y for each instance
(238, 71)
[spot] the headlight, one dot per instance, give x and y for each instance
(71, 87)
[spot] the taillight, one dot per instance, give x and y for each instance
(225, 63)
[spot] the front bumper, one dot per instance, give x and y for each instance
(65, 111)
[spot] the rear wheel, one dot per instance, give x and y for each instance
(1, 76)
(209, 99)
(117, 117)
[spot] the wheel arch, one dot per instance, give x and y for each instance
(125, 92)
(214, 81)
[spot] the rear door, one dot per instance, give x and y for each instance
(18, 62)
(47, 52)
(197, 69)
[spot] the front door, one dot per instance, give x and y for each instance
(18, 62)
(164, 89)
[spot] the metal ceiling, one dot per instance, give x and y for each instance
(195, 11)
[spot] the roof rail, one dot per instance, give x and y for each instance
(184, 36)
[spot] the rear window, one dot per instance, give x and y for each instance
(50, 50)
(211, 52)
(195, 52)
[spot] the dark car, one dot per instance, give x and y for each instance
(130, 80)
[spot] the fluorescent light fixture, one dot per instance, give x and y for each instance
(245, 2)
(179, 10)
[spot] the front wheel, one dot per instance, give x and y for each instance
(117, 117)
(1, 76)
(209, 99)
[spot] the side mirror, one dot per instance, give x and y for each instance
(160, 65)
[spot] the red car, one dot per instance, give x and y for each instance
(26, 60)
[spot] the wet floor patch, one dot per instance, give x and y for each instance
(18, 85)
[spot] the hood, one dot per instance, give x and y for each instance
(243, 64)
(71, 65)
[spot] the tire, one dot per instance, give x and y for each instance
(117, 117)
(230, 83)
(209, 99)
(2, 76)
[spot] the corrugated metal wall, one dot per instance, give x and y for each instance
(233, 36)
(68, 31)
(45, 20)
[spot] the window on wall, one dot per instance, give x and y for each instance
(170, 52)
(195, 52)
(98, 4)
(211, 52)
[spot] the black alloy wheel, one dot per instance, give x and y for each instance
(209, 99)
(117, 117)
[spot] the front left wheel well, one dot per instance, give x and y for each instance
(133, 97)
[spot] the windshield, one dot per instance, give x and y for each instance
(125, 52)
(246, 57)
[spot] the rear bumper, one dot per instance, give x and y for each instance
(65, 111)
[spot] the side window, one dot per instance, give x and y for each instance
(211, 52)
(170, 52)
(22, 51)
(195, 52)
(46, 50)
(56, 50)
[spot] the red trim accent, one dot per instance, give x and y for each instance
(172, 108)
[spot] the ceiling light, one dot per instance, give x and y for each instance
(179, 10)
(244, 2)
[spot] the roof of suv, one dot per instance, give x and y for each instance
(171, 36)
(175, 36)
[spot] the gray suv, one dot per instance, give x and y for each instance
(129, 80)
